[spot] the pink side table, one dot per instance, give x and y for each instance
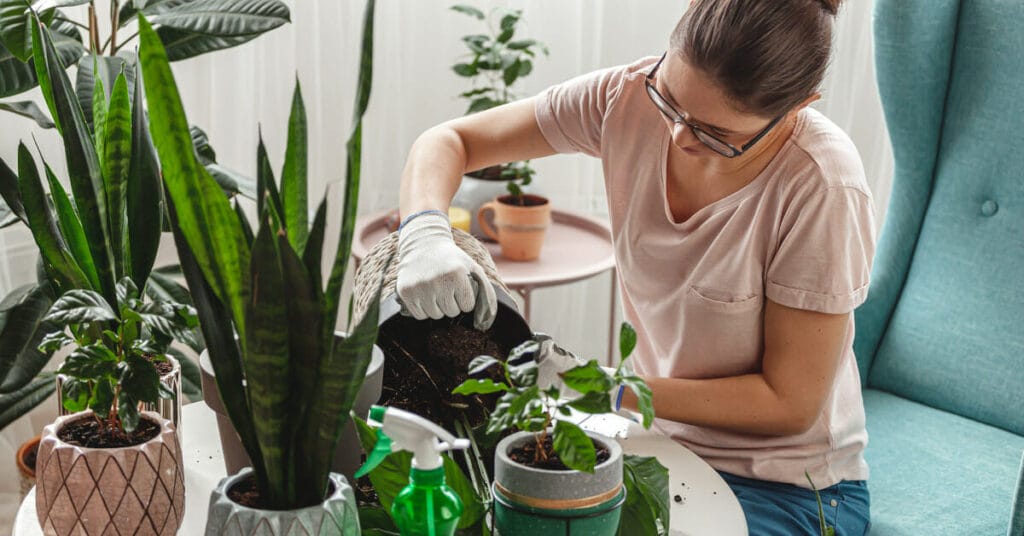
(575, 248)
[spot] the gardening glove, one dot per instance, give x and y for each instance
(437, 279)
(553, 360)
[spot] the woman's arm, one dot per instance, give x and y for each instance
(802, 352)
(442, 154)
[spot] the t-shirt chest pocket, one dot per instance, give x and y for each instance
(722, 331)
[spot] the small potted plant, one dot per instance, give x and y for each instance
(286, 380)
(552, 477)
(109, 465)
(494, 63)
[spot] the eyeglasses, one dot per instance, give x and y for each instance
(717, 145)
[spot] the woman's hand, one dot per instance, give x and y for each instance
(437, 279)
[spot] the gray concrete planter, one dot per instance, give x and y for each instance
(529, 501)
(336, 516)
(346, 459)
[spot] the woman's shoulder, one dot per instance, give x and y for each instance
(823, 156)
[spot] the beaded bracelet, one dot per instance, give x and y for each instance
(415, 215)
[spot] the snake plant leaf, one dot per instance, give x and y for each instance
(294, 180)
(105, 69)
(204, 215)
(184, 45)
(243, 221)
(222, 18)
(647, 509)
(99, 116)
(18, 403)
(266, 186)
(117, 155)
(71, 228)
(9, 192)
(30, 110)
(22, 329)
(352, 169)
(144, 202)
(267, 365)
(83, 163)
(60, 265)
(218, 329)
(312, 257)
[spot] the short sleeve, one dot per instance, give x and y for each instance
(571, 114)
(823, 262)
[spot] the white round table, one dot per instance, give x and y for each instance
(706, 507)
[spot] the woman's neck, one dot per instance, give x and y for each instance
(750, 164)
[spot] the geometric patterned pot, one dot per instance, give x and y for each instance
(336, 516)
(110, 491)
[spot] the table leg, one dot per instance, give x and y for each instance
(611, 320)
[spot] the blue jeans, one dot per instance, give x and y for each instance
(776, 509)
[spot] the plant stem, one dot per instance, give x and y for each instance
(115, 20)
(69, 21)
(118, 47)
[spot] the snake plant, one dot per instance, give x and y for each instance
(287, 382)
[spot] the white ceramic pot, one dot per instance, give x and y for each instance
(474, 192)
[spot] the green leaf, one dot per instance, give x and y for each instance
(16, 404)
(266, 364)
(521, 44)
(60, 265)
(574, 447)
(9, 191)
(22, 330)
(511, 407)
(104, 69)
(184, 45)
(481, 363)
(353, 170)
(294, 187)
(647, 508)
(117, 150)
(312, 256)
(483, 387)
(644, 398)
(593, 402)
(71, 229)
(223, 18)
(99, 116)
(509, 21)
(589, 378)
(17, 76)
(465, 69)
(191, 377)
(204, 215)
(511, 73)
(30, 110)
(483, 103)
(375, 521)
(79, 306)
(15, 21)
(102, 397)
(523, 374)
(627, 340)
(506, 35)
(144, 202)
(266, 186)
(83, 163)
(140, 380)
(469, 10)
(88, 363)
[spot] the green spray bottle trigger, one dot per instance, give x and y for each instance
(427, 506)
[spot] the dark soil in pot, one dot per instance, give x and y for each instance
(92, 432)
(246, 493)
(163, 368)
(525, 200)
(527, 455)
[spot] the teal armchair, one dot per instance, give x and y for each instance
(940, 340)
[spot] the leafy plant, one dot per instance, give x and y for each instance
(646, 510)
(287, 382)
(527, 407)
(111, 370)
(824, 527)
(494, 63)
(105, 229)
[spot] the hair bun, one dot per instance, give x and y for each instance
(832, 6)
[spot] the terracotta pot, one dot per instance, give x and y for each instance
(26, 474)
(126, 490)
(169, 409)
(520, 229)
(347, 457)
(477, 189)
(336, 516)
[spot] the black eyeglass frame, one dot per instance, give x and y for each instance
(676, 117)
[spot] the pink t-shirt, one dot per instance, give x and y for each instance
(800, 234)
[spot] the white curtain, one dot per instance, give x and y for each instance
(231, 93)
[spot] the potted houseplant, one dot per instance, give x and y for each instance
(188, 29)
(286, 381)
(552, 477)
(494, 63)
(109, 466)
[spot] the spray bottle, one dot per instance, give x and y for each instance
(427, 506)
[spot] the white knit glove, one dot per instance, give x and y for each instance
(437, 279)
(553, 360)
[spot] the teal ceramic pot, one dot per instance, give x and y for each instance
(531, 502)
(336, 516)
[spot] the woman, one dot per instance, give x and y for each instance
(743, 237)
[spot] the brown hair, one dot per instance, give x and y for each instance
(767, 55)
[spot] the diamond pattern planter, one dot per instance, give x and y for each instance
(137, 490)
(336, 516)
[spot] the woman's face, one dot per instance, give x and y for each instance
(692, 94)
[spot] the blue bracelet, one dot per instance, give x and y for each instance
(415, 215)
(618, 397)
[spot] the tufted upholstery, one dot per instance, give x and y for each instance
(942, 331)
